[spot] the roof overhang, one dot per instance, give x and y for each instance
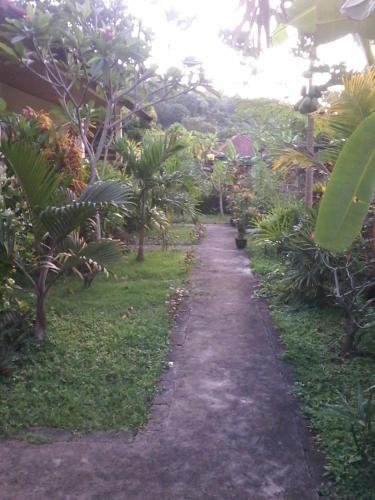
(21, 78)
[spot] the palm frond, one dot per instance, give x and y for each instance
(107, 192)
(62, 220)
(96, 255)
(157, 218)
(143, 160)
(290, 156)
(181, 201)
(38, 179)
(356, 102)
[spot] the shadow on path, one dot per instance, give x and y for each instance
(223, 426)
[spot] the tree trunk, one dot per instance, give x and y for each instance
(348, 342)
(41, 318)
(141, 235)
(98, 229)
(367, 50)
(141, 241)
(41, 295)
(221, 201)
(309, 179)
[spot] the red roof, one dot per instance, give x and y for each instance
(243, 146)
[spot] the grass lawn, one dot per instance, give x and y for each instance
(178, 234)
(100, 364)
(214, 219)
(312, 337)
(182, 234)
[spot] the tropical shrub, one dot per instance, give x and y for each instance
(58, 145)
(272, 228)
(156, 187)
(56, 215)
(266, 186)
(15, 326)
(344, 280)
(15, 314)
(356, 411)
(308, 276)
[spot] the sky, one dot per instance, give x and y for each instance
(279, 73)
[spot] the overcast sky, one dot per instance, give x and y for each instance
(279, 74)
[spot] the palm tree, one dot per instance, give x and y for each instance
(154, 185)
(56, 214)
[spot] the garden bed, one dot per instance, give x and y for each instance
(312, 337)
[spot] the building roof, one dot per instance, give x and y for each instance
(22, 79)
(242, 144)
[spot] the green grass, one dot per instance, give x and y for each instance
(98, 368)
(178, 234)
(182, 234)
(312, 338)
(214, 219)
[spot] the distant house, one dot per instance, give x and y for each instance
(243, 146)
(244, 151)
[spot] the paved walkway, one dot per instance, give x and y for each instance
(223, 427)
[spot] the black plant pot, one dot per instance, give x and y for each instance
(241, 243)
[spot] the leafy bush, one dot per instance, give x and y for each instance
(357, 411)
(15, 332)
(328, 384)
(308, 275)
(272, 228)
(267, 184)
(314, 274)
(15, 323)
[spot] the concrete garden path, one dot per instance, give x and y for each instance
(224, 425)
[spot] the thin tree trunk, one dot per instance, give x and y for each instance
(309, 179)
(41, 317)
(141, 241)
(349, 339)
(141, 235)
(221, 201)
(367, 50)
(98, 229)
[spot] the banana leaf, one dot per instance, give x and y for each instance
(350, 190)
(325, 20)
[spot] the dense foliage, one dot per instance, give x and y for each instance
(130, 152)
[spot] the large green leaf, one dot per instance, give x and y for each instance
(324, 19)
(303, 15)
(350, 190)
